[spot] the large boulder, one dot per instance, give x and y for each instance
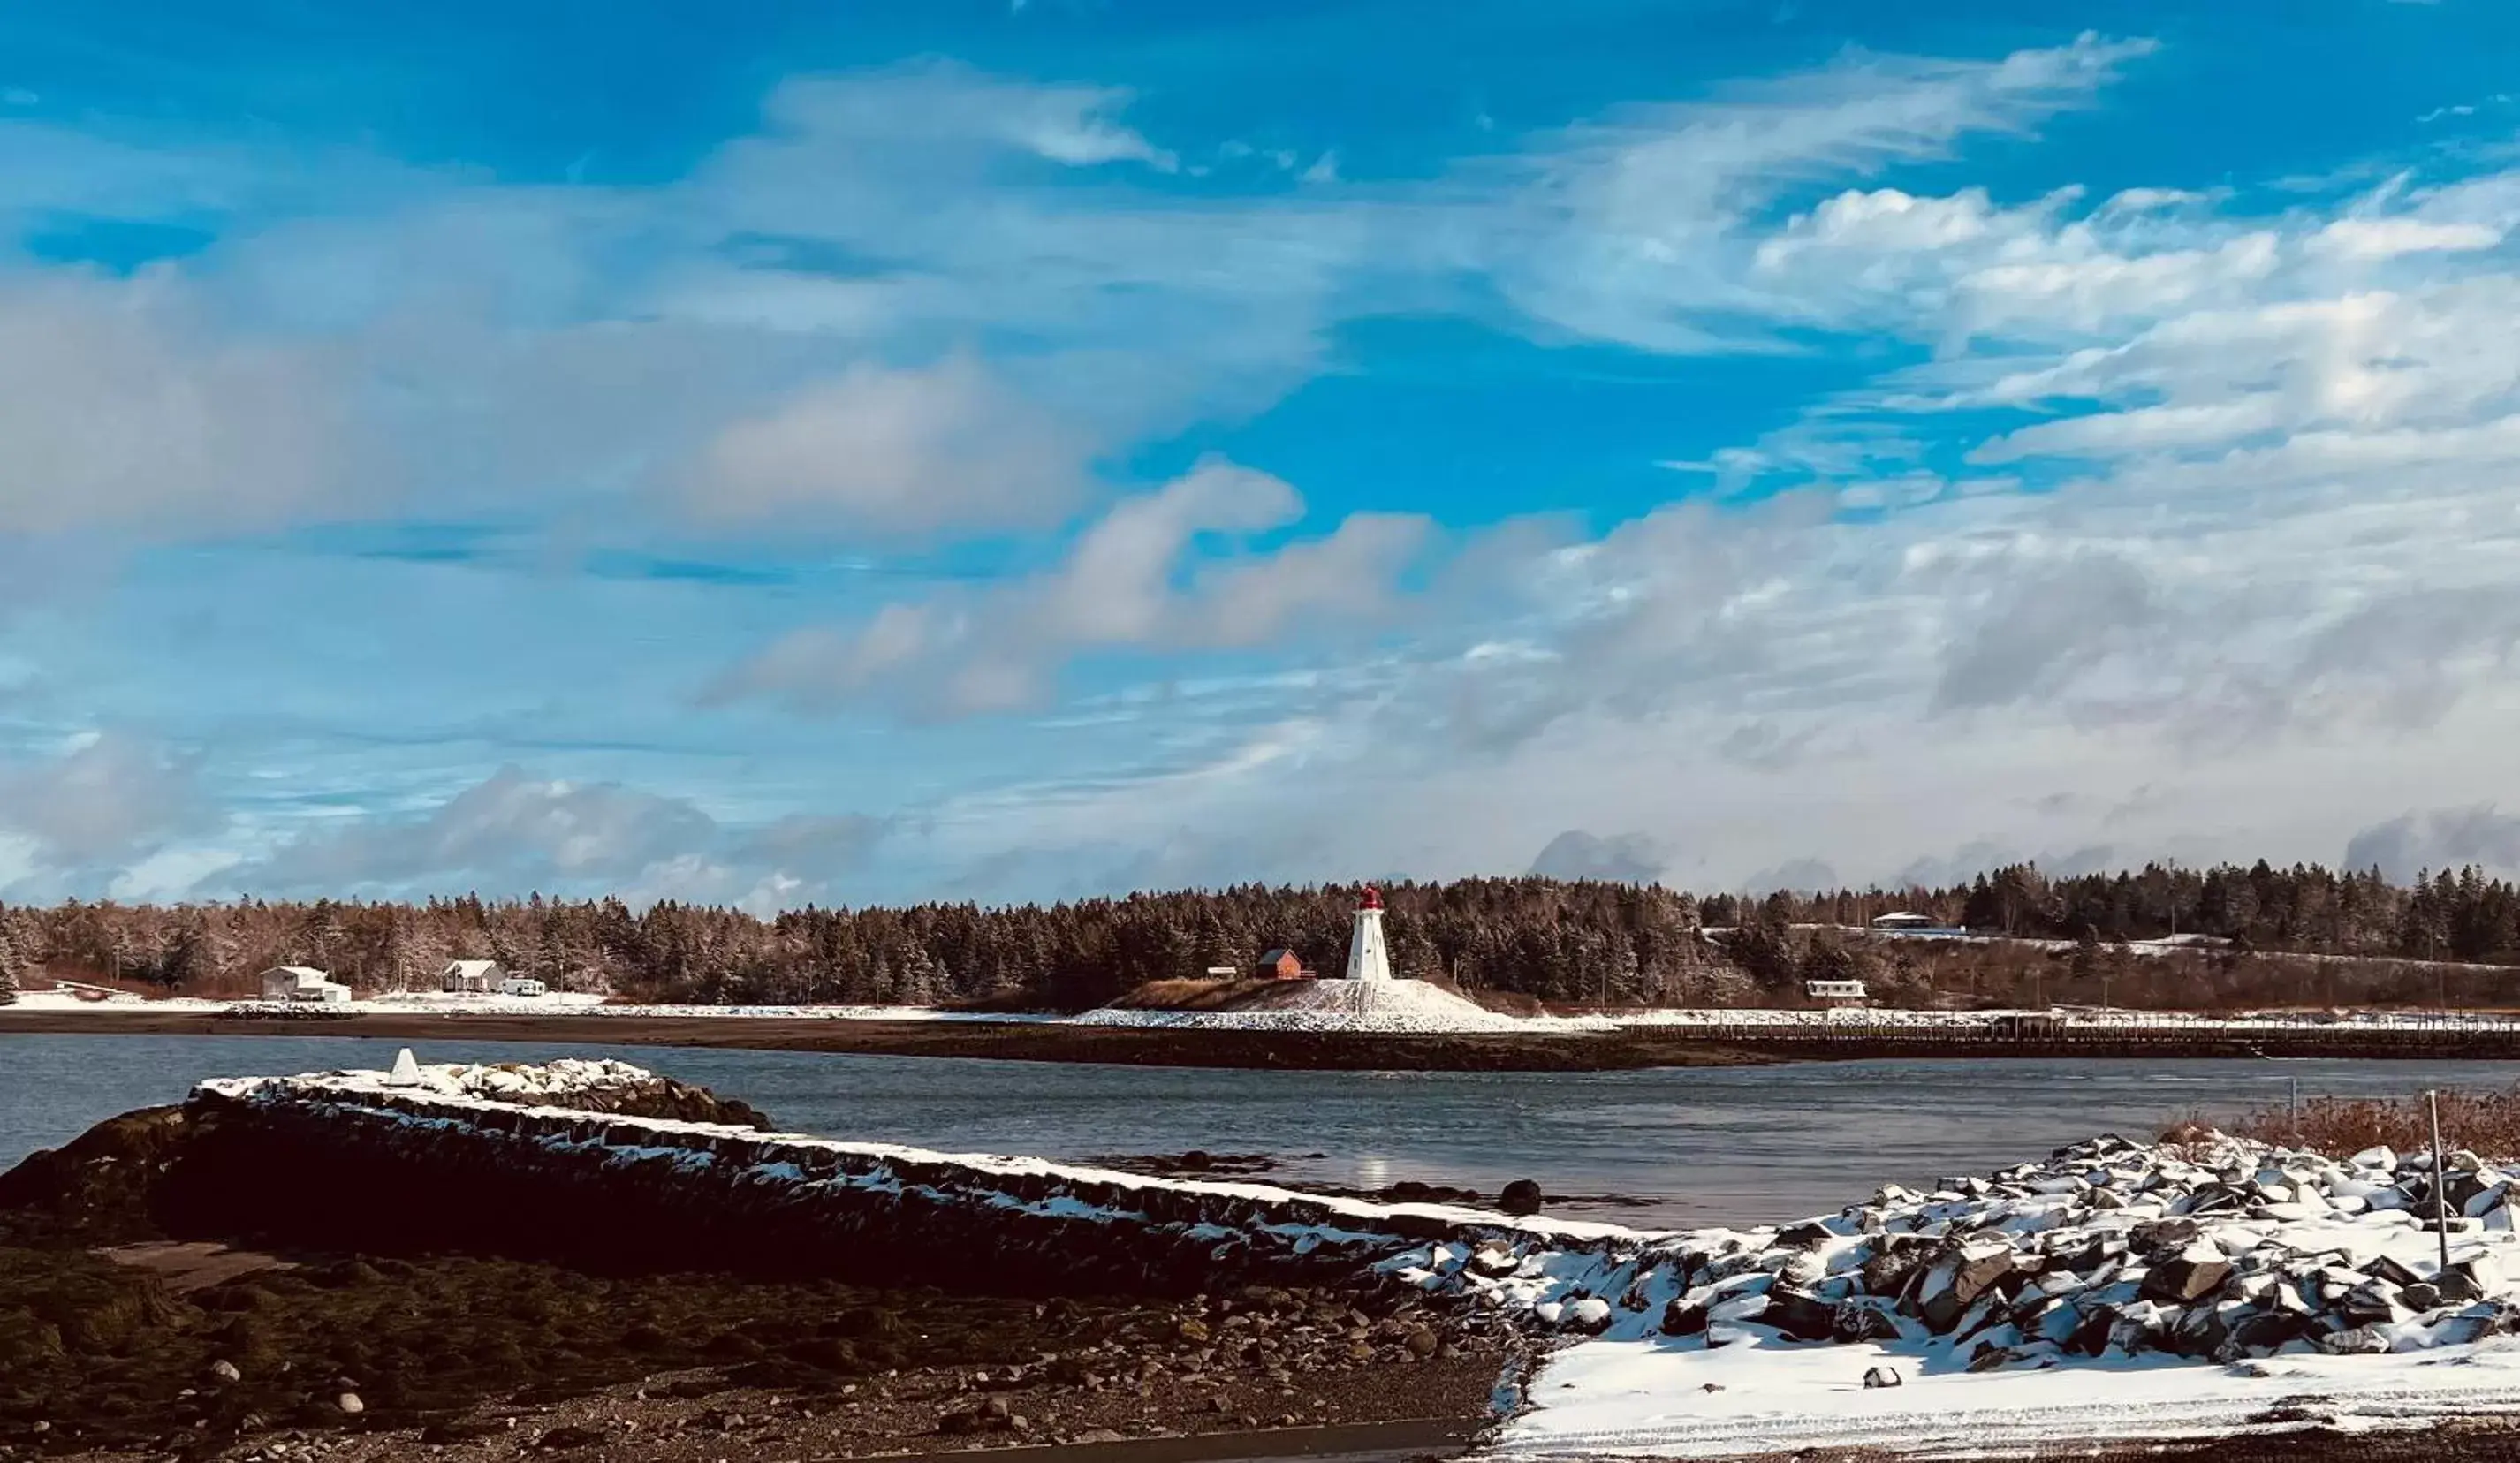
(1959, 1280)
(1684, 1317)
(1894, 1261)
(2189, 1275)
(1867, 1319)
(1800, 1316)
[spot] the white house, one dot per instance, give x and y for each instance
(302, 982)
(1835, 992)
(517, 985)
(471, 977)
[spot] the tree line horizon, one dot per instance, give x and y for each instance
(1554, 940)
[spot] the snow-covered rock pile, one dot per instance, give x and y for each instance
(1398, 1008)
(575, 1084)
(2228, 1251)
(509, 1081)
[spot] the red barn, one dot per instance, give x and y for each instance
(1281, 965)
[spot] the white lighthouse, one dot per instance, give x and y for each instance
(1366, 961)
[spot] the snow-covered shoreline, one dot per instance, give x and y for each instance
(1393, 1009)
(2113, 1291)
(2116, 1291)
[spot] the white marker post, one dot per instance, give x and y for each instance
(2441, 1200)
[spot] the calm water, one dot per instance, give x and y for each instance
(1721, 1145)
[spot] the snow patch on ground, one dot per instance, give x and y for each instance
(1607, 1398)
(2116, 1291)
(64, 1000)
(1398, 1008)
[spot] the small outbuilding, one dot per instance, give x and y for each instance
(1281, 965)
(1904, 920)
(471, 977)
(1836, 993)
(517, 985)
(303, 983)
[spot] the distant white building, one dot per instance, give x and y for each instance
(471, 977)
(517, 985)
(302, 982)
(1835, 992)
(1366, 958)
(1904, 920)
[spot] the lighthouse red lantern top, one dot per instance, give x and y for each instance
(1373, 898)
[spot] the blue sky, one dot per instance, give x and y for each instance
(863, 453)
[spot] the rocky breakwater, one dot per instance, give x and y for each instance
(422, 1159)
(2222, 1250)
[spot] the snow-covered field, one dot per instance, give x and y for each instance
(1400, 1007)
(64, 1000)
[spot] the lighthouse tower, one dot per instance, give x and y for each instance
(1366, 958)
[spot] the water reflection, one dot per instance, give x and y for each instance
(1730, 1145)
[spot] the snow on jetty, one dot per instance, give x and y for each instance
(2116, 1290)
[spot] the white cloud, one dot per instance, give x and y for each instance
(515, 832)
(2445, 838)
(1640, 229)
(118, 409)
(2388, 237)
(2278, 453)
(111, 798)
(1626, 858)
(908, 450)
(933, 107)
(1130, 581)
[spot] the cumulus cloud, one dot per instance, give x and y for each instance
(1623, 858)
(2274, 458)
(1802, 875)
(111, 799)
(899, 451)
(1129, 582)
(2412, 843)
(121, 410)
(515, 832)
(2042, 629)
